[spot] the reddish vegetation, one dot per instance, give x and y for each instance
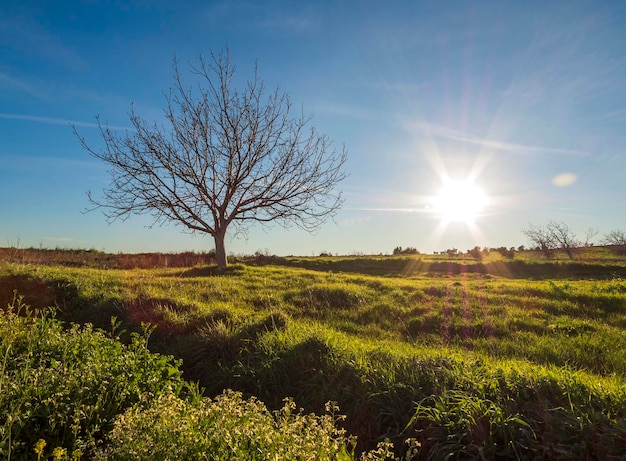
(98, 259)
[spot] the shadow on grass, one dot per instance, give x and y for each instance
(210, 271)
(415, 266)
(37, 293)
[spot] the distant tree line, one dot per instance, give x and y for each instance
(555, 236)
(548, 239)
(478, 253)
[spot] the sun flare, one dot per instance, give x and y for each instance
(460, 201)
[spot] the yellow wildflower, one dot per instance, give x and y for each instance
(58, 453)
(39, 446)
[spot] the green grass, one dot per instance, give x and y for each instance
(496, 360)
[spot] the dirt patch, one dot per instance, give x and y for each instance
(36, 293)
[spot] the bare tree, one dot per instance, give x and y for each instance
(616, 239)
(542, 238)
(557, 236)
(590, 234)
(564, 238)
(229, 159)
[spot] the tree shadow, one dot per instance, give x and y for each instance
(403, 267)
(209, 271)
(38, 294)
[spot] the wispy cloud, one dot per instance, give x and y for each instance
(29, 36)
(49, 90)
(21, 162)
(296, 23)
(346, 110)
(520, 148)
(616, 115)
(389, 209)
(261, 16)
(443, 132)
(21, 85)
(57, 121)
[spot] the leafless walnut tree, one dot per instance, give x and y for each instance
(229, 159)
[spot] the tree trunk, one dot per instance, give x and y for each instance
(220, 249)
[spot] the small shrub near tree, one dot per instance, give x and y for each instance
(476, 253)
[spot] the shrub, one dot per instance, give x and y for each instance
(228, 427)
(61, 388)
(507, 252)
(405, 251)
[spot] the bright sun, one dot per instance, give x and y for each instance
(460, 201)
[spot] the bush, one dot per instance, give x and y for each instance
(229, 427)
(61, 388)
(508, 253)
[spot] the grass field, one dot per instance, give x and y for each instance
(490, 359)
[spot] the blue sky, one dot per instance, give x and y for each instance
(526, 99)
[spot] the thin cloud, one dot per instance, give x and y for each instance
(346, 110)
(57, 121)
(19, 84)
(294, 23)
(512, 147)
(20, 162)
(564, 179)
(390, 209)
(259, 16)
(443, 132)
(55, 91)
(29, 36)
(613, 116)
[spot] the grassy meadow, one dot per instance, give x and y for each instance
(420, 357)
